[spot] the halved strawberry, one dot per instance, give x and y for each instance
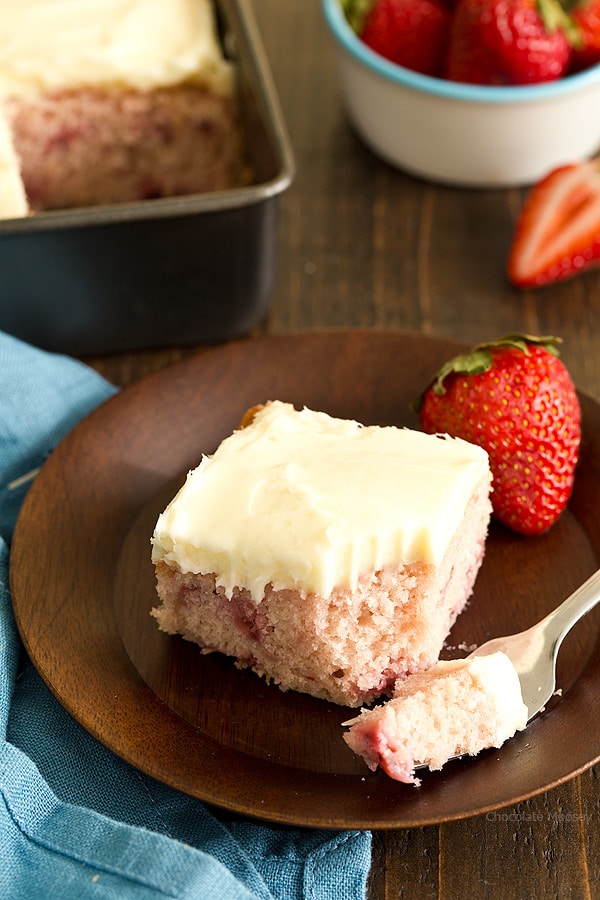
(557, 233)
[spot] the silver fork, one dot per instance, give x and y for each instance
(534, 652)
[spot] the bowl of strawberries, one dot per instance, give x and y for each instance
(474, 93)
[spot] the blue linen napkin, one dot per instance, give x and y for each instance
(75, 820)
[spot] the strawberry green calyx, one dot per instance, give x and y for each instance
(480, 358)
(356, 12)
(556, 18)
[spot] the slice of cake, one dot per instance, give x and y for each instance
(328, 556)
(122, 100)
(457, 707)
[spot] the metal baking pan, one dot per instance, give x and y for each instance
(193, 269)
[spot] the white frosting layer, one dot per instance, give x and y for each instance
(302, 500)
(497, 677)
(54, 44)
(13, 202)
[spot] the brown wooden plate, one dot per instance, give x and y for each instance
(83, 585)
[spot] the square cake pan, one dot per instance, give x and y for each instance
(192, 269)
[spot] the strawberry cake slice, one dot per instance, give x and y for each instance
(330, 557)
(457, 707)
(118, 100)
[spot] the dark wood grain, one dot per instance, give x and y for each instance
(362, 244)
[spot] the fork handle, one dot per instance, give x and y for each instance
(561, 620)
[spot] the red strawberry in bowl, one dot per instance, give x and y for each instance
(515, 42)
(410, 33)
(586, 46)
(516, 399)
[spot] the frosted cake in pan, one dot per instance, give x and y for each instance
(116, 100)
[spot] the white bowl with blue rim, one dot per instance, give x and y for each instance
(463, 134)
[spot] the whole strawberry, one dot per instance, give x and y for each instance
(516, 399)
(509, 42)
(586, 46)
(410, 33)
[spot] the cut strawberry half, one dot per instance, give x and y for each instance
(557, 233)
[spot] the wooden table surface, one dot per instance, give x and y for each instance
(361, 244)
